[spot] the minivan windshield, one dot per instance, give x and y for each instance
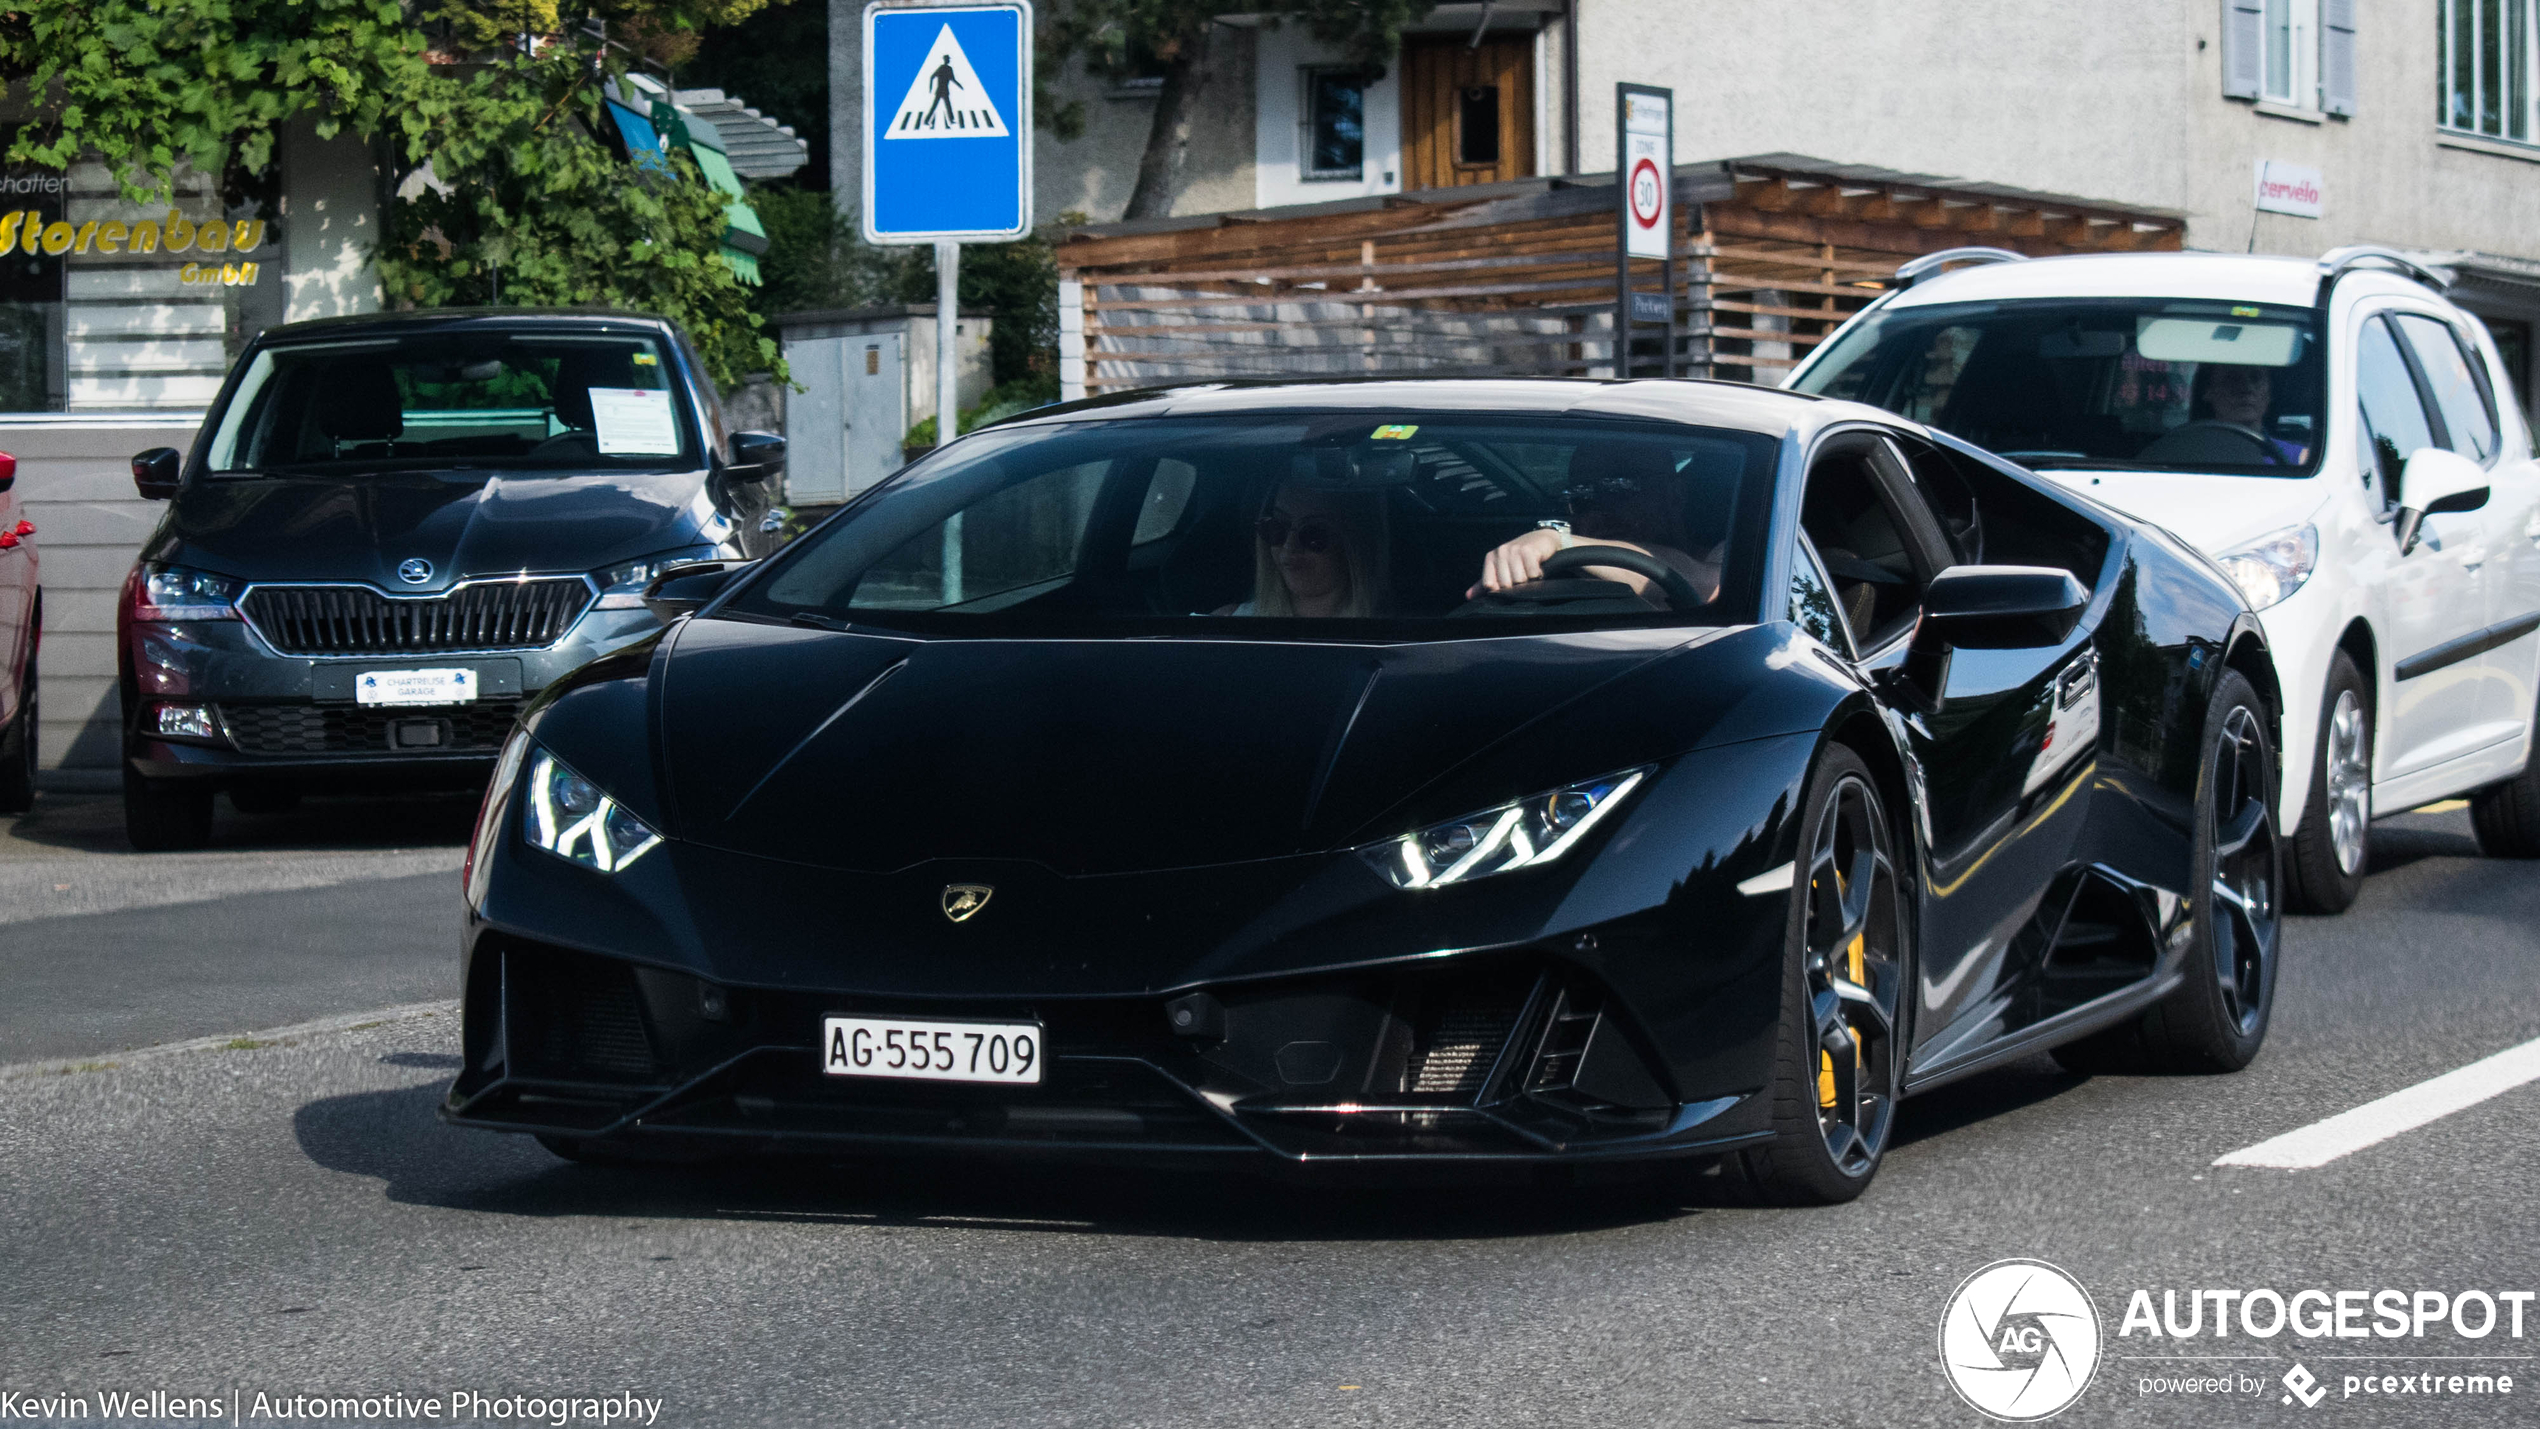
(522, 401)
(2111, 383)
(1363, 525)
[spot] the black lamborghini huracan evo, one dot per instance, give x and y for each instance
(1481, 772)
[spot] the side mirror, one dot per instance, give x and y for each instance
(756, 456)
(2001, 607)
(683, 588)
(8, 471)
(2436, 482)
(155, 472)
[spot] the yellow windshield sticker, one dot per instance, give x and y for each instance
(646, 359)
(2247, 312)
(1401, 433)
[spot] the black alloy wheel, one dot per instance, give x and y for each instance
(1841, 1051)
(2217, 1019)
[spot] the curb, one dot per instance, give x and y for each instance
(342, 1022)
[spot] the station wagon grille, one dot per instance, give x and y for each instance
(363, 729)
(356, 620)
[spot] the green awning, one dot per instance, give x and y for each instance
(744, 265)
(742, 229)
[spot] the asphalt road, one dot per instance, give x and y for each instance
(289, 1218)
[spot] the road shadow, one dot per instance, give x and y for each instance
(2404, 839)
(93, 823)
(395, 1138)
(2029, 1082)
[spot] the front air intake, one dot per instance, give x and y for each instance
(577, 1018)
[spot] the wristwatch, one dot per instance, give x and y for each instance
(1563, 527)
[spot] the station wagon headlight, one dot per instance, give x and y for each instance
(1525, 834)
(570, 817)
(622, 585)
(183, 593)
(2275, 565)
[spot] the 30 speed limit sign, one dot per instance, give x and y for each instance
(1648, 158)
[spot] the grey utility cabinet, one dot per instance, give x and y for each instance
(867, 375)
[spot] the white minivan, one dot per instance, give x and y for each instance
(2336, 435)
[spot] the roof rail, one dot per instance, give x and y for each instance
(1930, 263)
(2338, 262)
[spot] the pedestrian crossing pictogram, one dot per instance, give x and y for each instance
(946, 100)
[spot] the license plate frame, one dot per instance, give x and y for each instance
(976, 1046)
(429, 688)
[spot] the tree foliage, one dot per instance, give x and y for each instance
(1170, 38)
(506, 170)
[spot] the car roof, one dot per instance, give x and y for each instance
(1738, 406)
(2221, 277)
(461, 320)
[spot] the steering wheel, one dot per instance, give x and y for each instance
(1670, 581)
(2168, 446)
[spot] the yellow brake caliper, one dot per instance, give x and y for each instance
(1854, 963)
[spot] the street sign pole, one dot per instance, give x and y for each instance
(947, 155)
(1644, 215)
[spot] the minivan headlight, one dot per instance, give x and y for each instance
(183, 593)
(2275, 565)
(1524, 834)
(570, 817)
(622, 585)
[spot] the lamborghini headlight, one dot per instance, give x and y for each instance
(570, 818)
(1524, 834)
(2275, 565)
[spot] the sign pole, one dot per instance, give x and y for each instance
(1644, 216)
(947, 355)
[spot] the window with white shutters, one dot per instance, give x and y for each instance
(2243, 48)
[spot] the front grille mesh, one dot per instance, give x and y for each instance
(356, 620)
(1460, 1052)
(357, 729)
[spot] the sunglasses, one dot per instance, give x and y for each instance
(1313, 535)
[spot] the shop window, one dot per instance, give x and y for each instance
(2484, 67)
(1477, 126)
(1335, 123)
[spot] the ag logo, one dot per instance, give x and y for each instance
(2019, 1340)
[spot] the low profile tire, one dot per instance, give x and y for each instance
(2217, 1019)
(1837, 1062)
(2324, 867)
(161, 816)
(18, 751)
(2506, 816)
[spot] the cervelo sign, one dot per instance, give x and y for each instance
(1648, 161)
(2289, 188)
(947, 122)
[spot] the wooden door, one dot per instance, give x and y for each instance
(1468, 111)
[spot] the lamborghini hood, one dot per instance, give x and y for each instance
(871, 753)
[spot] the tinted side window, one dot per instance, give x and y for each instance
(1876, 584)
(2394, 420)
(2467, 409)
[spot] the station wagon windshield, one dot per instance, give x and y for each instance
(1357, 525)
(515, 400)
(2130, 384)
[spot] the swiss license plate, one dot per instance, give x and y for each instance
(414, 687)
(1003, 1052)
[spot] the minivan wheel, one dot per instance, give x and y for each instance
(2331, 849)
(164, 816)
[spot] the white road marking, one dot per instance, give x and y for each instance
(1771, 880)
(2405, 1110)
(227, 1041)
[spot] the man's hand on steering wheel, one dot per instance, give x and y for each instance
(1540, 554)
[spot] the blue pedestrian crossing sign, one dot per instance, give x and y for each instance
(947, 122)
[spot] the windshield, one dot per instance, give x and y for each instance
(2123, 383)
(1369, 526)
(519, 400)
